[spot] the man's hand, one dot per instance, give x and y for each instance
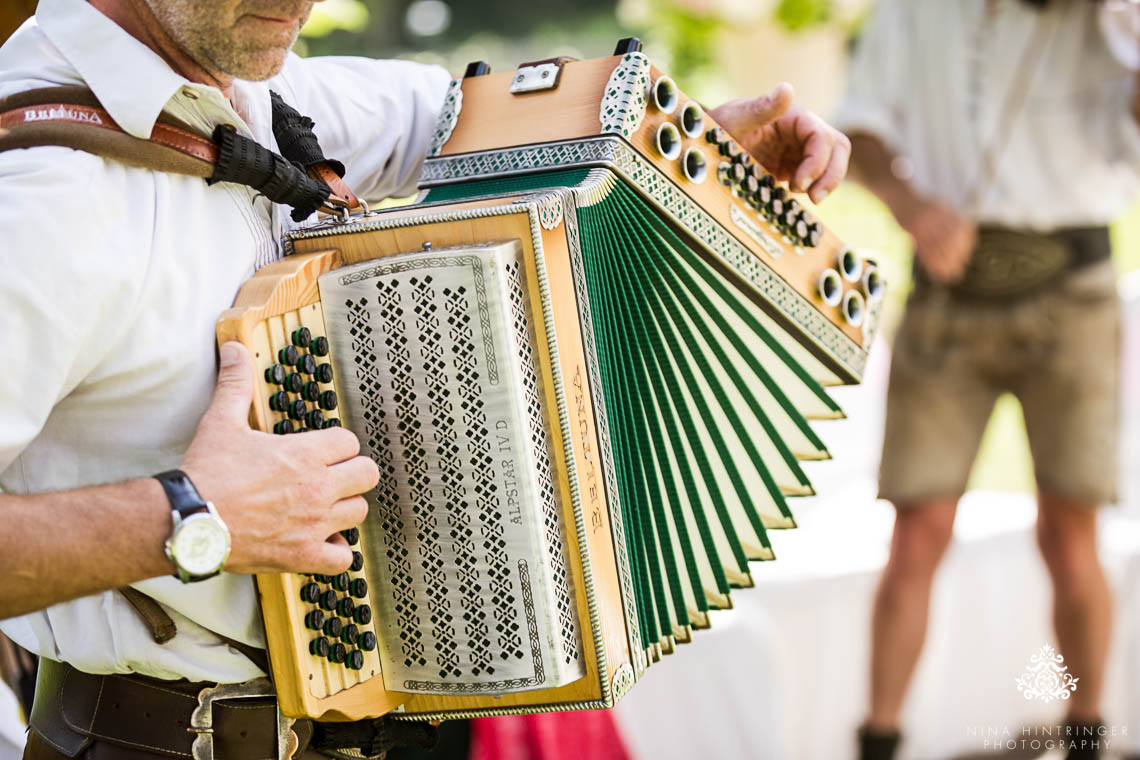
(791, 142)
(284, 498)
(943, 240)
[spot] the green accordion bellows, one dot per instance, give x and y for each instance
(706, 396)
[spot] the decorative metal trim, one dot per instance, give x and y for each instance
(448, 116)
(623, 681)
(626, 94)
(671, 200)
(550, 211)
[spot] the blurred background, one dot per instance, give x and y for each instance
(788, 677)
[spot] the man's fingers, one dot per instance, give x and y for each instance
(743, 116)
(333, 444)
(355, 476)
(819, 143)
(332, 557)
(834, 173)
(234, 391)
(346, 513)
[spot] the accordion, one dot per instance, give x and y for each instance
(585, 362)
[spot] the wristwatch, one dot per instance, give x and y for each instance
(200, 542)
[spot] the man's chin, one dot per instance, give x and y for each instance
(259, 66)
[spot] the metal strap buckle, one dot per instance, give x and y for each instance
(202, 719)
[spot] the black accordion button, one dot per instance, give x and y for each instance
(328, 601)
(802, 229)
(297, 410)
(315, 419)
(310, 592)
(716, 135)
(301, 337)
(307, 364)
(310, 391)
(315, 620)
(359, 588)
(333, 627)
(334, 422)
(284, 427)
(294, 382)
(275, 374)
(815, 234)
(337, 652)
(322, 578)
(320, 346)
(279, 401)
(340, 582)
(320, 646)
(289, 355)
(345, 607)
(357, 562)
(362, 614)
(352, 536)
(355, 660)
(368, 641)
(328, 400)
(350, 635)
(325, 373)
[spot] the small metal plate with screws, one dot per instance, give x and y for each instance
(534, 77)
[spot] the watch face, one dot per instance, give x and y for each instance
(200, 545)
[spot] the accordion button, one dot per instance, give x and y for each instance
(325, 373)
(310, 592)
(319, 646)
(776, 206)
(294, 382)
(352, 536)
(301, 337)
(297, 410)
(328, 601)
(284, 427)
(345, 607)
(337, 652)
(310, 391)
(275, 374)
(355, 660)
(328, 400)
(716, 135)
(315, 419)
(368, 641)
(802, 229)
(340, 582)
(362, 614)
(357, 562)
(289, 355)
(333, 627)
(359, 588)
(307, 364)
(350, 635)
(334, 422)
(320, 346)
(279, 401)
(815, 234)
(315, 620)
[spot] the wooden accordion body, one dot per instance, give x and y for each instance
(584, 362)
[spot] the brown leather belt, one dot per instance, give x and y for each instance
(116, 717)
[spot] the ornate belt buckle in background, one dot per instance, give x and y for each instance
(202, 719)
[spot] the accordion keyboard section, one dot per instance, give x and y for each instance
(467, 549)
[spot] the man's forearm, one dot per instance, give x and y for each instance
(872, 166)
(60, 546)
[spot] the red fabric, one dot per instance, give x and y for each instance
(582, 735)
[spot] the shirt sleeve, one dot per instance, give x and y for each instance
(875, 94)
(1120, 28)
(377, 117)
(69, 276)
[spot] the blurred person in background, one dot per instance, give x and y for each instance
(1003, 136)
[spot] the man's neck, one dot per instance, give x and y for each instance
(137, 19)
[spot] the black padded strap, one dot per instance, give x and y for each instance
(374, 738)
(246, 162)
(295, 137)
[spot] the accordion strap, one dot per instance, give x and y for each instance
(71, 116)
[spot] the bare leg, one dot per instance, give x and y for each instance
(898, 624)
(1082, 603)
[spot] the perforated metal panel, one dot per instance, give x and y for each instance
(464, 540)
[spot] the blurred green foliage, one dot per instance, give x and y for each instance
(796, 15)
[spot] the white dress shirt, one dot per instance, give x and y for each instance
(931, 77)
(114, 277)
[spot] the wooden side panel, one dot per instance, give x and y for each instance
(366, 245)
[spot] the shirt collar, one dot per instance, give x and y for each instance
(132, 82)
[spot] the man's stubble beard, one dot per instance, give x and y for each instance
(215, 36)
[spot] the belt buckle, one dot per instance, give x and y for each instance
(202, 719)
